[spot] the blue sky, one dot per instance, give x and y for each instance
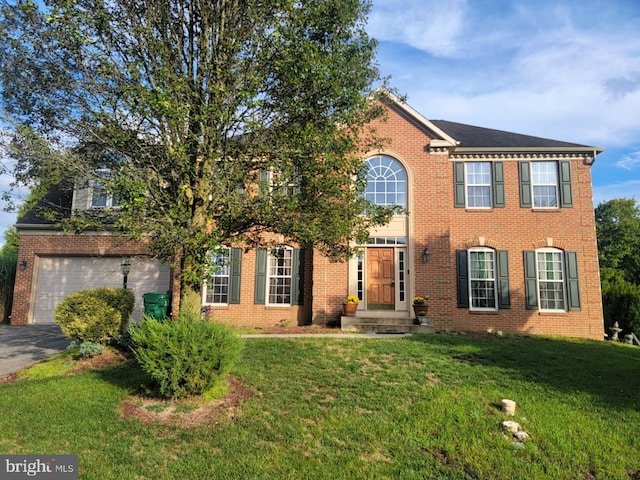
(561, 69)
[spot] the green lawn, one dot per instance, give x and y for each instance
(414, 407)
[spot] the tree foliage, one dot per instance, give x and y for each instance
(618, 230)
(225, 121)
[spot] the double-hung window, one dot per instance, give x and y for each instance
(545, 185)
(216, 286)
(280, 276)
(478, 185)
(482, 279)
(551, 280)
(100, 197)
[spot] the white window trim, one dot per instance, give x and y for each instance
(270, 276)
(494, 279)
(109, 199)
(213, 254)
(556, 186)
(563, 282)
(467, 185)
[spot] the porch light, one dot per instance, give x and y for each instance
(426, 254)
(126, 268)
(23, 264)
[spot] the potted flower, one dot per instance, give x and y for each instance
(351, 305)
(420, 305)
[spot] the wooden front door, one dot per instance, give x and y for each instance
(380, 279)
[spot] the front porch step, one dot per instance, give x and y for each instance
(383, 325)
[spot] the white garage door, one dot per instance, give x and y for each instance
(57, 277)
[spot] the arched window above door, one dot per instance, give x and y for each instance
(386, 181)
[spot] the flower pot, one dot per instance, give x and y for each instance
(420, 308)
(350, 309)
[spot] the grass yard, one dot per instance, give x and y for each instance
(414, 407)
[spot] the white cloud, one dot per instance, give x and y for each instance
(568, 71)
(629, 161)
(428, 25)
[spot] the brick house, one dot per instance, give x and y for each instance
(497, 229)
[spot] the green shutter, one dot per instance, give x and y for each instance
(525, 184)
(566, 195)
(261, 277)
(462, 269)
(234, 275)
(504, 296)
(458, 179)
(498, 184)
(530, 281)
(297, 287)
(573, 289)
(264, 182)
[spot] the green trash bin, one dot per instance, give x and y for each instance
(156, 304)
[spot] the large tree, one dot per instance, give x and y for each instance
(618, 229)
(220, 121)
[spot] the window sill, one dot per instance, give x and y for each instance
(552, 313)
(478, 210)
(546, 210)
(484, 312)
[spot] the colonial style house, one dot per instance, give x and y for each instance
(496, 229)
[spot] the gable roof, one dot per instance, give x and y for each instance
(469, 136)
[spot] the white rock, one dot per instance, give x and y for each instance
(508, 406)
(510, 426)
(521, 436)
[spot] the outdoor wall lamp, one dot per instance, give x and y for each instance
(23, 264)
(126, 268)
(426, 254)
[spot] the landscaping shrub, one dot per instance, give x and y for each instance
(84, 317)
(621, 302)
(188, 356)
(85, 350)
(121, 299)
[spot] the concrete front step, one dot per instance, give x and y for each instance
(383, 325)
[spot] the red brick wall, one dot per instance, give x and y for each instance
(445, 229)
(34, 244)
(435, 224)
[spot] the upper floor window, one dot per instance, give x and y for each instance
(551, 280)
(478, 180)
(100, 197)
(545, 184)
(478, 184)
(386, 182)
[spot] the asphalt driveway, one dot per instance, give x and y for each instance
(24, 345)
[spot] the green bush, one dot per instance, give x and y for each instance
(185, 357)
(621, 303)
(121, 299)
(85, 350)
(83, 317)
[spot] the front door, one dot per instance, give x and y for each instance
(380, 279)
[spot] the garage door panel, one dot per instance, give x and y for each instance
(57, 277)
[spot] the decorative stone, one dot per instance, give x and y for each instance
(508, 406)
(521, 436)
(510, 426)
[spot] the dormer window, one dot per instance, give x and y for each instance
(99, 196)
